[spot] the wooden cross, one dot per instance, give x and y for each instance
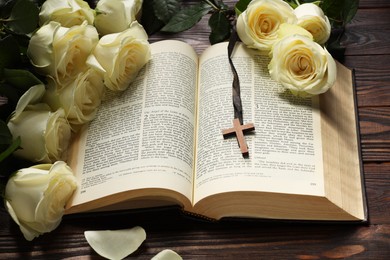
(239, 130)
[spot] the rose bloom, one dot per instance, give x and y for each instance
(45, 135)
(61, 52)
(66, 12)
(286, 29)
(302, 65)
(113, 16)
(120, 56)
(257, 26)
(312, 18)
(80, 99)
(35, 197)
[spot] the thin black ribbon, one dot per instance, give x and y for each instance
(236, 94)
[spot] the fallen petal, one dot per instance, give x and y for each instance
(115, 244)
(167, 254)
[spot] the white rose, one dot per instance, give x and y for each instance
(312, 18)
(35, 197)
(113, 16)
(61, 52)
(257, 26)
(302, 65)
(80, 99)
(120, 56)
(45, 135)
(287, 29)
(66, 12)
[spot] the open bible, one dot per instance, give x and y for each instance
(160, 143)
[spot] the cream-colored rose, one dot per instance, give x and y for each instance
(61, 52)
(302, 65)
(80, 99)
(287, 29)
(66, 12)
(120, 56)
(35, 197)
(45, 135)
(312, 18)
(258, 25)
(113, 16)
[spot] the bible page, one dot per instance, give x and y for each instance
(143, 138)
(285, 154)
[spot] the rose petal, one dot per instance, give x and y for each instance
(115, 244)
(167, 254)
(32, 96)
(286, 29)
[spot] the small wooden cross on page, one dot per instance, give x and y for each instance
(239, 130)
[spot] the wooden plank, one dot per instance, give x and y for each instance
(375, 133)
(368, 33)
(202, 240)
(377, 182)
(372, 74)
(373, 3)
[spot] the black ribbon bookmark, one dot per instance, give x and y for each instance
(237, 104)
(238, 129)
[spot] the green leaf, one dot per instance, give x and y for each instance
(24, 17)
(350, 9)
(187, 18)
(340, 12)
(149, 20)
(220, 27)
(241, 6)
(7, 152)
(11, 97)
(292, 3)
(5, 134)
(7, 145)
(221, 5)
(22, 79)
(166, 9)
(5, 8)
(9, 52)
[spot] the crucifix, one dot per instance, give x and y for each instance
(238, 129)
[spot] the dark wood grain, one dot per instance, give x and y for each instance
(200, 240)
(375, 133)
(373, 3)
(366, 36)
(367, 45)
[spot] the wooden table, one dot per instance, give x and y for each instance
(367, 40)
